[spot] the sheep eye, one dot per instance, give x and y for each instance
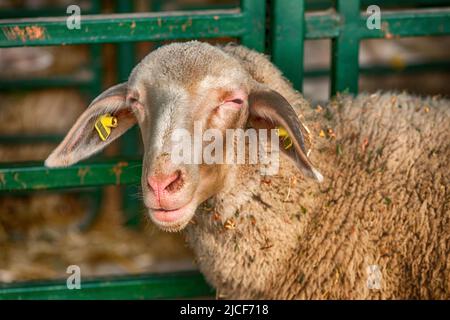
(132, 101)
(232, 103)
(137, 108)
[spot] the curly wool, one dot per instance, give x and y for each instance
(385, 202)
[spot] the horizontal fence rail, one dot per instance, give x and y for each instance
(124, 28)
(213, 24)
(34, 176)
(186, 284)
(394, 24)
(325, 4)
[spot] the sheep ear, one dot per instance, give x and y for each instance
(269, 109)
(83, 139)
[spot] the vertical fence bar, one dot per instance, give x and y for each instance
(129, 142)
(345, 49)
(255, 15)
(287, 38)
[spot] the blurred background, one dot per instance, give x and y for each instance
(105, 230)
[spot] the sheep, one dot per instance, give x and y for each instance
(372, 223)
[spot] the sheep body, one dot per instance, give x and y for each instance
(385, 202)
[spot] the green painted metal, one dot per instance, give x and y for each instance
(326, 4)
(410, 23)
(405, 23)
(347, 27)
(87, 79)
(233, 23)
(345, 49)
(159, 5)
(324, 25)
(395, 24)
(254, 20)
(288, 39)
(186, 284)
(309, 4)
(126, 51)
(19, 12)
(405, 3)
(128, 27)
(34, 176)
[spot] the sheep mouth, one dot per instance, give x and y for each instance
(174, 219)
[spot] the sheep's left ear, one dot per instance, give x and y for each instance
(269, 107)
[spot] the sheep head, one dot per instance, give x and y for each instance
(182, 87)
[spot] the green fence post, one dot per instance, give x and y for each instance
(287, 37)
(255, 22)
(345, 49)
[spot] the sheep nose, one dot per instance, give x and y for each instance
(165, 183)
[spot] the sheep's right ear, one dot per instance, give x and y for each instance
(83, 140)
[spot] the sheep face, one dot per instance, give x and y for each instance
(184, 91)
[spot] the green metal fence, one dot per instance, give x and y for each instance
(285, 32)
(346, 27)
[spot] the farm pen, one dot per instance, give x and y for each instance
(346, 26)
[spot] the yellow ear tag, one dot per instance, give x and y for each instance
(104, 124)
(284, 135)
